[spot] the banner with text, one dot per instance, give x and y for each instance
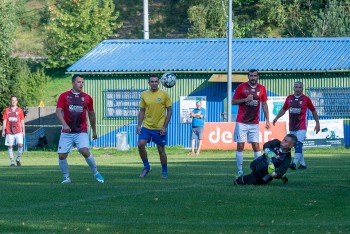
(330, 135)
(219, 135)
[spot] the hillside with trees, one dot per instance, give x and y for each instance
(40, 38)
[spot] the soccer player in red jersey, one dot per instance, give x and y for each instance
(248, 96)
(297, 104)
(13, 128)
(72, 110)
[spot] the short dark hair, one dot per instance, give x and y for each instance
(12, 96)
(75, 76)
(152, 75)
(253, 70)
(293, 137)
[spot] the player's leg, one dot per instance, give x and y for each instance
(83, 145)
(144, 137)
(64, 147)
(161, 142)
(9, 141)
(253, 138)
(193, 140)
(200, 138)
(299, 155)
(245, 180)
(240, 136)
(19, 140)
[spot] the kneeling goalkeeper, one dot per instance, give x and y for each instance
(273, 164)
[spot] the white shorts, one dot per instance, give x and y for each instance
(11, 139)
(246, 133)
(300, 134)
(67, 140)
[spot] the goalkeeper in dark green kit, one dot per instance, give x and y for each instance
(273, 164)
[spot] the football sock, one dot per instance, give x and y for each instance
(301, 160)
(239, 158)
(164, 169)
(11, 155)
(19, 153)
(297, 157)
(64, 167)
(146, 163)
(91, 162)
(257, 154)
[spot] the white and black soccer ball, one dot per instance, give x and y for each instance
(168, 80)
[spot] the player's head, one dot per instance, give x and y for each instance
(153, 82)
(13, 101)
(198, 104)
(298, 88)
(288, 141)
(253, 76)
(77, 82)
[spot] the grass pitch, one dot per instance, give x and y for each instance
(198, 196)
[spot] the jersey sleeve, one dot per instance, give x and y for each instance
(5, 116)
(238, 91)
(286, 104)
(142, 101)
(263, 95)
(21, 115)
(168, 100)
(310, 105)
(90, 106)
(60, 102)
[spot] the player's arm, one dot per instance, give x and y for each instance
(272, 144)
(4, 127)
(317, 127)
(236, 101)
(279, 115)
(169, 112)
(92, 119)
(140, 118)
(266, 112)
(59, 114)
(23, 127)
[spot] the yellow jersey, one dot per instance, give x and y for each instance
(155, 104)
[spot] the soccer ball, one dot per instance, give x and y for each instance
(168, 80)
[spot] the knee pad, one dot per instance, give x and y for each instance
(299, 147)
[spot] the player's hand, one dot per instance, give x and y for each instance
(249, 98)
(163, 131)
(274, 122)
(269, 153)
(138, 130)
(23, 133)
(66, 128)
(317, 128)
(94, 135)
(3, 134)
(267, 126)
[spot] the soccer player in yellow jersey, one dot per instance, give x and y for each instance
(153, 119)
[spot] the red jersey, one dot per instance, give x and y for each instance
(297, 107)
(248, 113)
(14, 116)
(75, 107)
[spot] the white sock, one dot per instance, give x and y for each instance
(297, 157)
(10, 150)
(239, 159)
(64, 167)
(91, 162)
(301, 160)
(257, 154)
(19, 153)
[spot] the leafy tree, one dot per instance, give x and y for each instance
(75, 27)
(332, 21)
(7, 28)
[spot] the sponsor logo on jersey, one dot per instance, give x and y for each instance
(294, 110)
(82, 99)
(75, 108)
(13, 119)
(252, 103)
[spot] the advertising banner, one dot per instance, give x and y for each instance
(330, 135)
(219, 135)
(187, 104)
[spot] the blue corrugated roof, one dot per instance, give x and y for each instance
(210, 55)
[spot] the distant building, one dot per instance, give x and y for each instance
(116, 72)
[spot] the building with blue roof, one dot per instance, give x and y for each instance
(116, 72)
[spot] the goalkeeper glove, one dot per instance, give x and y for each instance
(269, 153)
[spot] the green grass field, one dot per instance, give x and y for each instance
(198, 196)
